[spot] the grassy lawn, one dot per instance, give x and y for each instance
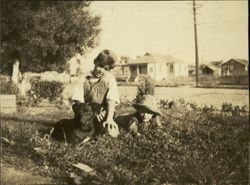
(12, 176)
(197, 145)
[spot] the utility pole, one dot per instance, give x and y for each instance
(196, 45)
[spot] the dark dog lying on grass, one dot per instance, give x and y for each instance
(78, 129)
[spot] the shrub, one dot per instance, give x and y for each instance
(212, 145)
(8, 87)
(50, 90)
(234, 110)
(22, 101)
(146, 86)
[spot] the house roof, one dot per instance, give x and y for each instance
(212, 67)
(242, 61)
(155, 58)
(171, 59)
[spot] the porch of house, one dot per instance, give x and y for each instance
(136, 71)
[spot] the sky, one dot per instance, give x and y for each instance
(132, 28)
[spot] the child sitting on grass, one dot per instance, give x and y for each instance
(145, 118)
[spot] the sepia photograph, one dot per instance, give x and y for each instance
(124, 92)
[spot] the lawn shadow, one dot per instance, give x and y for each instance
(39, 122)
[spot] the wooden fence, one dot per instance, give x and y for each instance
(235, 80)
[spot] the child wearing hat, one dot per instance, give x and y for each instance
(99, 89)
(146, 116)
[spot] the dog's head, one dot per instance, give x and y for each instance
(83, 112)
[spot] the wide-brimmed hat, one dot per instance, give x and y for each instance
(148, 102)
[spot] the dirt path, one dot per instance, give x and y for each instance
(201, 96)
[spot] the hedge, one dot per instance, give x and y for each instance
(8, 87)
(50, 90)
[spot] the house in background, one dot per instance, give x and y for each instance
(157, 66)
(235, 71)
(212, 68)
(209, 70)
(121, 70)
(175, 68)
(235, 67)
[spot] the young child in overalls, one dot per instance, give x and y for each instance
(99, 88)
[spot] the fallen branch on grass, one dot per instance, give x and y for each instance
(83, 167)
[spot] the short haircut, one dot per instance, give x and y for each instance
(106, 57)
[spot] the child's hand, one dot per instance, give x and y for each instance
(101, 115)
(112, 128)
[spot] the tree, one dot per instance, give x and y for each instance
(43, 35)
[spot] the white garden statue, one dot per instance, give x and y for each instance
(15, 72)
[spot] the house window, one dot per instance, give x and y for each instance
(226, 70)
(231, 67)
(171, 68)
